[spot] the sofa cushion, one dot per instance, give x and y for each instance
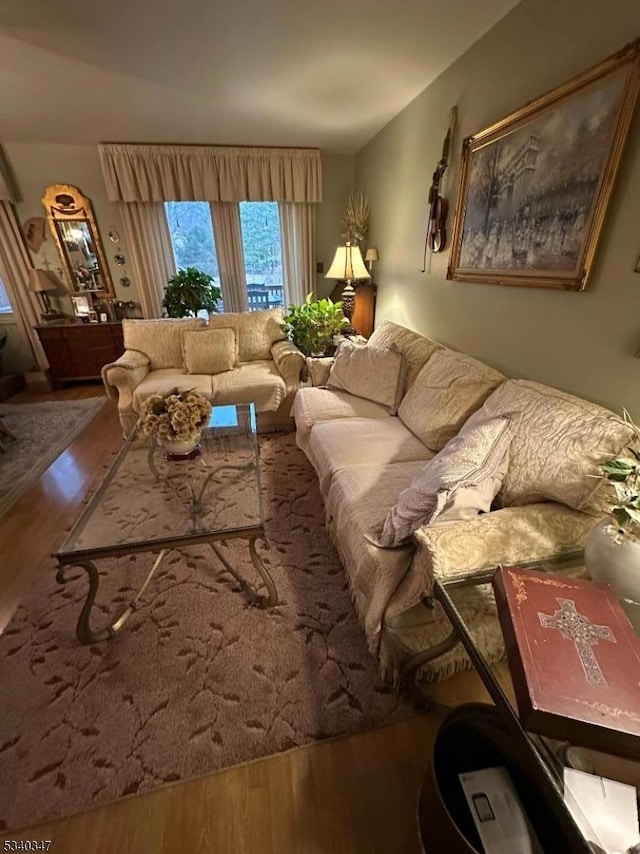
(348, 442)
(163, 381)
(159, 340)
(209, 351)
(375, 373)
(257, 331)
(251, 382)
(415, 347)
(458, 483)
(360, 497)
(558, 444)
(312, 405)
(448, 389)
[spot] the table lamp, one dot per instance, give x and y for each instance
(371, 255)
(41, 282)
(348, 266)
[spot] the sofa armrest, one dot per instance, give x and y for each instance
(121, 377)
(289, 363)
(318, 369)
(468, 552)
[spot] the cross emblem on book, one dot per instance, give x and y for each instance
(584, 634)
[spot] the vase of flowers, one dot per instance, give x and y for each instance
(175, 420)
(612, 551)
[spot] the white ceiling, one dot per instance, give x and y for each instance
(328, 73)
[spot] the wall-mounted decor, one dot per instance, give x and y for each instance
(75, 233)
(33, 230)
(534, 187)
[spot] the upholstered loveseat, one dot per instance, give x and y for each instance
(235, 358)
(365, 456)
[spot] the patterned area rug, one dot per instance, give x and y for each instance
(43, 431)
(197, 680)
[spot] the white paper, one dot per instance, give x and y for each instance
(497, 812)
(605, 811)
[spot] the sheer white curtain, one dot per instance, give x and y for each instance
(15, 264)
(298, 228)
(228, 236)
(149, 246)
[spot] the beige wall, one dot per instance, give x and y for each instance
(35, 166)
(581, 342)
(338, 178)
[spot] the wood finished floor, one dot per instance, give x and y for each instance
(352, 795)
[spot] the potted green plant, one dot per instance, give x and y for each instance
(188, 292)
(312, 325)
(612, 551)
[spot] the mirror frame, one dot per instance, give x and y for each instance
(75, 206)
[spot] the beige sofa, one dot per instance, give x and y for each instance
(263, 365)
(364, 457)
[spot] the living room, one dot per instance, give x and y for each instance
(276, 698)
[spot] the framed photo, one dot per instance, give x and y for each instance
(534, 187)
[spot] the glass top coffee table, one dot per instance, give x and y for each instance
(149, 504)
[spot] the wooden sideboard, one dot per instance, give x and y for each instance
(78, 351)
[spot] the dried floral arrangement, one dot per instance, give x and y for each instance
(356, 218)
(178, 415)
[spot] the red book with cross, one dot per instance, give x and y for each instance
(574, 659)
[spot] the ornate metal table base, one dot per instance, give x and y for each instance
(85, 633)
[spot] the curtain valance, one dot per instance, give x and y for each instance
(165, 173)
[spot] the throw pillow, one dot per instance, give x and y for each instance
(448, 389)
(210, 351)
(458, 483)
(375, 373)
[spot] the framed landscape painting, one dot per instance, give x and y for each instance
(534, 187)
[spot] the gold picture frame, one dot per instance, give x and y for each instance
(75, 232)
(534, 187)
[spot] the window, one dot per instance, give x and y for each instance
(5, 305)
(193, 242)
(260, 223)
(192, 238)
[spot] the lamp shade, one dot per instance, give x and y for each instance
(371, 254)
(347, 265)
(40, 282)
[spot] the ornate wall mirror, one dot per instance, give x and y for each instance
(75, 233)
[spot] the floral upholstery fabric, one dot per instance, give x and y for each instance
(557, 446)
(457, 551)
(448, 389)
